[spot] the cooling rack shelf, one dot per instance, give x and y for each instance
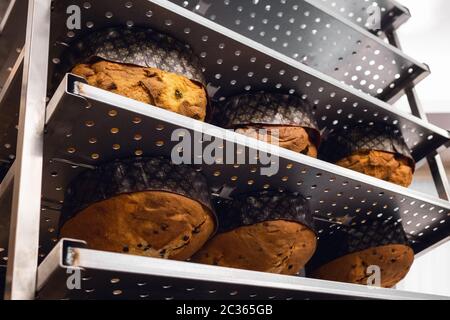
(234, 64)
(311, 32)
(117, 276)
(87, 126)
(12, 36)
(362, 12)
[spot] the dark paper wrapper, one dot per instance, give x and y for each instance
(340, 144)
(135, 46)
(269, 109)
(131, 176)
(250, 209)
(351, 239)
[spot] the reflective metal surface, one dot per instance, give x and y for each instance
(117, 276)
(311, 32)
(25, 216)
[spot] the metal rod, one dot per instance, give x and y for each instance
(25, 217)
(434, 161)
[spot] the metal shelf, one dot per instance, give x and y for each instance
(9, 114)
(12, 36)
(392, 13)
(79, 136)
(118, 276)
(234, 64)
(311, 32)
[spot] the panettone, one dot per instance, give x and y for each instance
(378, 150)
(143, 65)
(347, 254)
(266, 231)
(280, 119)
(145, 207)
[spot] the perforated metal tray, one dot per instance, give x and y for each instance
(117, 276)
(311, 32)
(12, 36)
(234, 64)
(392, 14)
(87, 126)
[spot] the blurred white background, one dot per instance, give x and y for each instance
(426, 38)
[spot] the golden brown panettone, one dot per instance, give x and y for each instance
(142, 206)
(293, 138)
(141, 64)
(377, 150)
(353, 254)
(163, 89)
(382, 165)
(262, 231)
(284, 120)
(281, 247)
(394, 262)
(152, 224)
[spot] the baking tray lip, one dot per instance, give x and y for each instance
(100, 261)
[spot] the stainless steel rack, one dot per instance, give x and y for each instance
(312, 33)
(116, 276)
(74, 134)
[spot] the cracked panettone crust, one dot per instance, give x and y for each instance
(163, 89)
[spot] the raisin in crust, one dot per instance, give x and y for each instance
(149, 85)
(152, 224)
(282, 247)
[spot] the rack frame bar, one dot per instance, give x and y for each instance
(25, 217)
(434, 161)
